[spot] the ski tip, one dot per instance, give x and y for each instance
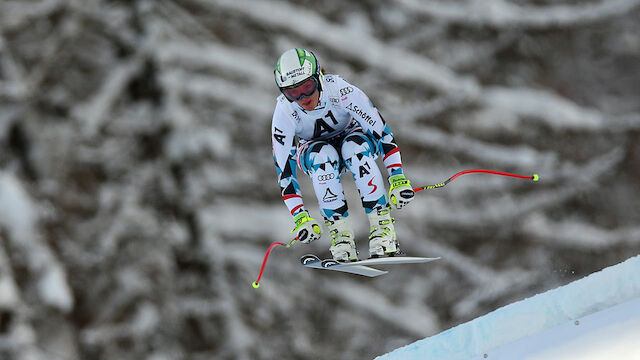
(535, 177)
(255, 285)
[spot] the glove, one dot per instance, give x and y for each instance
(307, 229)
(401, 192)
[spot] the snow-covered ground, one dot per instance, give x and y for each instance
(597, 317)
(607, 334)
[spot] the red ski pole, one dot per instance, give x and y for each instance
(256, 284)
(533, 177)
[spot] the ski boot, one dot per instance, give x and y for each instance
(382, 238)
(343, 246)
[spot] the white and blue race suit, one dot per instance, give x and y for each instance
(344, 132)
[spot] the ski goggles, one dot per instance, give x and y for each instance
(302, 90)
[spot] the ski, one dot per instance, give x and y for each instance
(315, 262)
(387, 261)
(361, 267)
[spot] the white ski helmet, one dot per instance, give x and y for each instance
(295, 66)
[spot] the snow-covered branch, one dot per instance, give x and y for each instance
(504, 14)
(556, 112)
(396, 62)
(578, 235)
(19, 214)
(95, 111)
(520, 156)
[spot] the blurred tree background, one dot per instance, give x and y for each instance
(138, 193)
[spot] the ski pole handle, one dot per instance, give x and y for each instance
(256, 284)
(533, 177)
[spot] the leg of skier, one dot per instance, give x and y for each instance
(359, 153)
(320, 160)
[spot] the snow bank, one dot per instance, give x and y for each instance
(544, 316)
(607, 334)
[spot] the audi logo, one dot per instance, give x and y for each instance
(346, 90)
(326, 177)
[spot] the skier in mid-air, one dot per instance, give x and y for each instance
(338, 129)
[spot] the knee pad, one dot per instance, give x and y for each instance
(320, 155)
(359, 146)
(359, 154)
(322, 163)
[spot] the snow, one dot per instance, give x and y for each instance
(8, 290)
(355, 44)
(606, 303)
(20, 215)
(500, 13)
(94, 113)
(607, 334)
(55, 290)
(17, 211)
(557, 112)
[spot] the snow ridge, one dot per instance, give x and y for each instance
(601, 290)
